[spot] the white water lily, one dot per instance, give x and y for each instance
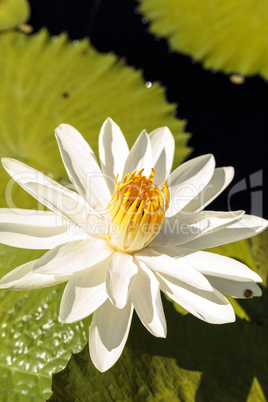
(119, 238)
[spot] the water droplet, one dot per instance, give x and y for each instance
(76, 42)
(148, 84)
(25, 28)
(157, 38)
(144, 20)
(54, 38)
(174, 112)
(137, 11)
(237, 79)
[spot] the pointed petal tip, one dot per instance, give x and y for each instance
(207, 158)
(100, 363)
(251, 291)
(233, 319)
(226, 319)
(63, 127)
(144, 133)
(101, 366)
(211, 157)
(109, 120)
(7, 161)
(3, 160)
(163, 335)
(230, 170)
(258, 293)
(257, 277)
(66, 320)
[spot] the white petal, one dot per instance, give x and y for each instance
(121, 272)
(31, 217)
(140, 156)
(82, 167)
(185, 228)
(186, 182)
(217, 265)
(145, 295)
(22, 278)
(23, 173)
(72, 257)
(108, 334)
(241, 290)
(248, 226)
(173, 267)
(113, 152)
(163, 146)
(68, 204)
(219, 181)
(211, 307)
(35, 229)
(84, 293)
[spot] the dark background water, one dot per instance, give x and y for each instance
(225, 119)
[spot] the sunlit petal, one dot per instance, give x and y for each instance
(113, 152)
(23, 278)
(140, 156)
(145, 295)
(84, 293)
(188, 180)
(108, 334)
(120, 274)
(82, 167)
(72, 257)
(163, 146)
(211, 307)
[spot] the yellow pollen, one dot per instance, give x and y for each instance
(136, 211)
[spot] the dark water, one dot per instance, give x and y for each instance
(225, 119)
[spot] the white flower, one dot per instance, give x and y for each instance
(120, 238)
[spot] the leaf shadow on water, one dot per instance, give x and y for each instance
(228, 356)
(196, 362)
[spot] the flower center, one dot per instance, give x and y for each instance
(136, 212)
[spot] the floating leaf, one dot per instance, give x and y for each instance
(13, 13)
(44, 82)
(197, 361)
(229, 36)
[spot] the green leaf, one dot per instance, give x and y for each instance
(197, 361)
(44, 82)
(13, 13)
(33, 344)
(49, 81)
(229, 36)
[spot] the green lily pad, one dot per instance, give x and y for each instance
(230, 36)
(196, 362)
(44, 82)
(13, 13)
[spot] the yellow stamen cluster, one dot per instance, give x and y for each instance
(136, 212)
